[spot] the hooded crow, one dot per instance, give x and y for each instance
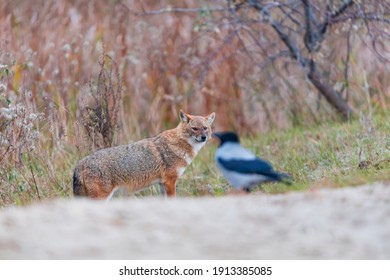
(241, 168)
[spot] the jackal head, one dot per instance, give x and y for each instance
(197, 129)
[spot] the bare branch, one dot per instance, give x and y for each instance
(300, 27)
(289, 15)
(312, 37)
(176, 10)
(314, 31)
(270, 59)
(346, 84)
(366, 17)
(334, 15)
(293, 48)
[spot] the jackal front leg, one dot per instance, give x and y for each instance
(170, 185)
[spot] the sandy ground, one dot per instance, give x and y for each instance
(348, 223)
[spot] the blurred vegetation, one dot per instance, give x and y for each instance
(76, 76)
(329, 155)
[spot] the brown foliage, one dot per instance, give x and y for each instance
(200, 61)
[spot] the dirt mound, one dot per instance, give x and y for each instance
(348, 223)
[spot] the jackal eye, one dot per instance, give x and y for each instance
(194, 128)
(205, 128)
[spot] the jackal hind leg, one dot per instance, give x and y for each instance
(162, 190)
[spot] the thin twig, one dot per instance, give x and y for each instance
(365, 17)
(33, 176)
(176, 10)
(347, 59)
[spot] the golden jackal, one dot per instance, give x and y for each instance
(160, 159)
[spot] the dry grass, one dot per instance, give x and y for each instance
(51, 51)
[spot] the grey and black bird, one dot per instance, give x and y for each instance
(241, 168)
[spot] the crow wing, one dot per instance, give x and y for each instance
(252, 166)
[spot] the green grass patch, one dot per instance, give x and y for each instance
(329, 155)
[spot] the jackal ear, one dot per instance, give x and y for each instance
(210, 118)
(184, 117)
